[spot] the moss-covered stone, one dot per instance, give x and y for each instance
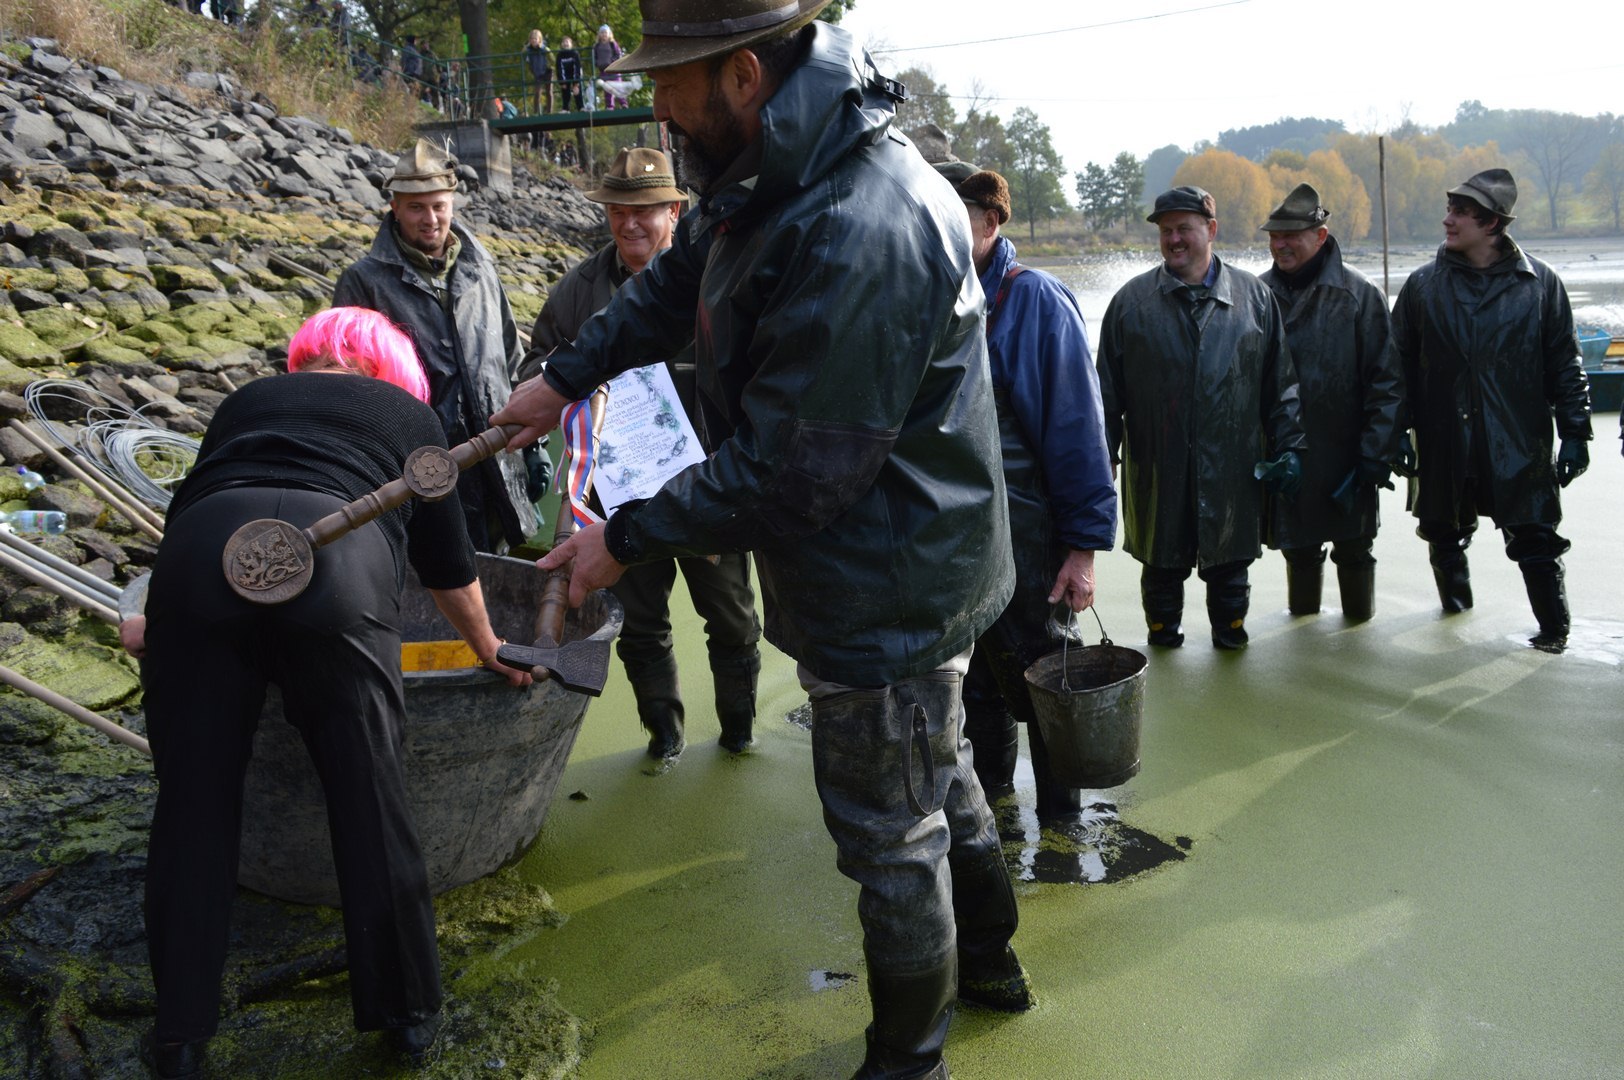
(123, 310)
(172, 276)
(110, 280)
(158, 332)
(106, 351)
(525, 308)
(69, 279)
(247, 331)
(203, 318)
(185, 356)
(22, 347)
(28, 277)
(14, 379)
(59, 327)
(83, 218)
(86, 674)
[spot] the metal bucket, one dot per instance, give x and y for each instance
(483, 760)
(1090, 702)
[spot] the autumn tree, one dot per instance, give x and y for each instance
(1604, 183)
(1239, 187)
(928, 102)
(1034, 177)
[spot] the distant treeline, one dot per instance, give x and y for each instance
(1569, 168)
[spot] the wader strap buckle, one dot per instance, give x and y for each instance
(917, 736)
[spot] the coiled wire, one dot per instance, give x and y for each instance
(144, 457)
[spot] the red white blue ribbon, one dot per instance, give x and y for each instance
(582, 451)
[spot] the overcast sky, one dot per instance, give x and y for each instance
(1192, 68)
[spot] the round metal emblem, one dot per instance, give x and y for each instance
(431, 473)
(268, 561)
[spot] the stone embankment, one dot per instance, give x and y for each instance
(149, 244)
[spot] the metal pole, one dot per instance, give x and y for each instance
(49, 579)
(75, 710)
(79, 577)
(1381, 173)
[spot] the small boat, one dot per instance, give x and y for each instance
(483, 760)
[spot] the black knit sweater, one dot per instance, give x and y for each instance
(341, 434)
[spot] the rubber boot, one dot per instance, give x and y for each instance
(1358, 586)
(995, 741)
(911, 1015)
(1454, 580)
(1163, 599)
(1227, 603)
(1305, 582)
(1547, 595)
(736, 706)
(1057, 805)
(984, 918)
(659, 707)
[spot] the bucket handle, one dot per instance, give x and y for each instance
(1065, 639)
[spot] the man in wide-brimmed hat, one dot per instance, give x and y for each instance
(1062, 500)
(431, 276)
(640, 197)
(1352, 388)
(1195, 377)
(827, 281)
(1490, 356)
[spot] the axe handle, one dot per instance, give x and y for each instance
(555, 592)
(351, 516)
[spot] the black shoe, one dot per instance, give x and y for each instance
(172, 1061)
(666, 743)
(415, 1041)
(1166, 636)
(1550, 641)
(1004, 987)
(735, 742)
(1230, 636)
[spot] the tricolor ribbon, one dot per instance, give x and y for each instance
(582, 451)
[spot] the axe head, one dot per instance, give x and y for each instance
(581, 666)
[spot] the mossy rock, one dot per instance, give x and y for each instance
(203, 318)
(172, 276)
(69, 279)
(248, 331)
(222, 348)
(28, 277)
(158, 332)
(123, 310)
(14, 379)
(106, 351)
(185, 356)
(21, 346)
(127, 220)
(151, 300)
(110, 280)
(279, 329)
(59, 327)
(263, 278)
(171, 225)
(83, 218)
(87, 674)
(525, 308)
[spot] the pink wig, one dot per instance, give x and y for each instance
(359, 340)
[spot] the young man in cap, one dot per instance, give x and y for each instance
(641, 199)
(432, 277)
(1062, 500)
(827, 281)
(1351, 386)
(1196, 376)
(1490, 356)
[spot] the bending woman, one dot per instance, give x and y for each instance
(296, 447)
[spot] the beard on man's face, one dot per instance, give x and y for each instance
(703, 157)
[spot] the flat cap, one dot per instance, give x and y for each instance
(987, 190)
(1187, 199)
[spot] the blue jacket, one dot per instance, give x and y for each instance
(1043, 374)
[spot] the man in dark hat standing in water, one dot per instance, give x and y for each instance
(827, 281)
(1196, 380)
(1352, 387)
(1490, 356)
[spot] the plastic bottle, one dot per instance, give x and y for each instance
(49, 522)
(30, 478)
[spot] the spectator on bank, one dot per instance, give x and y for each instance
(538, 60)
(339, 24)
(605, 51)
(411, 63)
(569, 72)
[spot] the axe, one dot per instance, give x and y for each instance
(582, 666)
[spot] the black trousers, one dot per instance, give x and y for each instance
(335, 653)
(722, 596)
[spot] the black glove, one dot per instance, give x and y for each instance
(1375, 473)
(1571, 461)
(1406, 463)
(1283, 475)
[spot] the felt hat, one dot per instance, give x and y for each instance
(681, 31)
(638, 177)
(1301, 210)
(1492, 189)
(987, 190)
(425, 167)
(1188, 199)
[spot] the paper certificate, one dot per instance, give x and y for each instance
(646, 438)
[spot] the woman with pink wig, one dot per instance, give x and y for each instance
(296, 447)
